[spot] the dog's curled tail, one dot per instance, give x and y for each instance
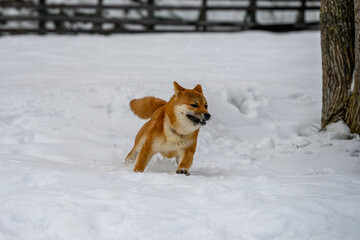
(145, 107)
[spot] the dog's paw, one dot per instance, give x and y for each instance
(183, 171)
(129, 160)
(131, 157)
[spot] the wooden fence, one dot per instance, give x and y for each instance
(39, 16)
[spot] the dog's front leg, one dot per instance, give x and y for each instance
(143, 157)
(186, 160)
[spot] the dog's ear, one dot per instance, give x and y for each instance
(198, 88)
(177, 88)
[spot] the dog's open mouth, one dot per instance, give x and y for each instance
(196, 120)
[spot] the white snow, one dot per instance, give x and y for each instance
(339, 130)
(261, 170)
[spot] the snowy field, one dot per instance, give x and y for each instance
(261, 171)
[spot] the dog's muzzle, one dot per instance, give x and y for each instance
(201, 121)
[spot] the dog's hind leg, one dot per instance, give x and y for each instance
(131, 157)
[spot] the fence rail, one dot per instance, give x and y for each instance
(43, 18)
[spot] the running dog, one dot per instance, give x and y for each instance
(173, 127)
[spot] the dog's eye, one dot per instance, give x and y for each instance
(206, 106)
(195, 105)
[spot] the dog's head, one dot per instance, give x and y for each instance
(192, 104)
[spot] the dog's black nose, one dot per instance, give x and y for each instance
(207, 116)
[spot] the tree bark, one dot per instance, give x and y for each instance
(352, 118)
(338, 60)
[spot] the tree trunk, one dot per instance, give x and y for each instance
(352, 117)
(338, 60)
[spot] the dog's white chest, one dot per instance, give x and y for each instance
(168, 145)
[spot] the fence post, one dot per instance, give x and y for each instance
(42, 13)
(151, 15)
(301, 15)
(251, 13)
(202, 16)
(98, 26)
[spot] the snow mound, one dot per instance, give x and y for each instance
(268, 143)
(339, 130)
(247, 101)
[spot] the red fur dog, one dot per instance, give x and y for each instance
(172, 129)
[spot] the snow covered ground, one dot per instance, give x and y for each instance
(261, 171)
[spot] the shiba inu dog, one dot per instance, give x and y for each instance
(172, 129)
